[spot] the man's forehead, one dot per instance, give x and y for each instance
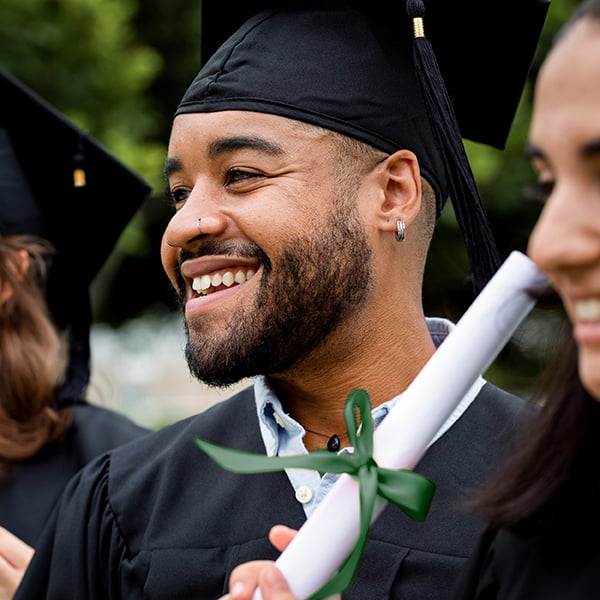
(273, 132)
(244, 118)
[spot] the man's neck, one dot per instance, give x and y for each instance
(316, 399)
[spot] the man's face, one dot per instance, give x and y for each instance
(280, 258)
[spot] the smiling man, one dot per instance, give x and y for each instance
(307, 170)
(292, 289)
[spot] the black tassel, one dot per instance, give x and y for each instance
(73, 389)
(466, 201)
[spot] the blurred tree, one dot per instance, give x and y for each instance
(117, 69)
(84, 57)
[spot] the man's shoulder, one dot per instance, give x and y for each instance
(219, 423)
(498, 402)
(91, 418)
(491, 421)
(164, 475)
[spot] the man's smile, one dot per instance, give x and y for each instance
(219, 280)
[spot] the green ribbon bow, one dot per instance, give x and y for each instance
(409, 491)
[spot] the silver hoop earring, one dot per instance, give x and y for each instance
(400, 230)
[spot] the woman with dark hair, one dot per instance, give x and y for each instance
(542, 539)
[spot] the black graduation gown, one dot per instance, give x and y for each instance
(157, 519)
(553, 553)
(508, 566)
(28, 496)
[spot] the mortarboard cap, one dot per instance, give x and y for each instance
(419, 75)
(58, 183)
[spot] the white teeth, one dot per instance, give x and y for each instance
(201, 283)
(204, 282)
(587, 310)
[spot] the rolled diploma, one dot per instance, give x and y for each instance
(326, 539)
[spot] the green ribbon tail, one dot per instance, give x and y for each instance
(343, 578)
(252, 463)
(411, 492)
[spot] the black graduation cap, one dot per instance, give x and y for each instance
(59, 183)
(416, 74)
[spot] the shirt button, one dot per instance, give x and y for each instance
(304, 494)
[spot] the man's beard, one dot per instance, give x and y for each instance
(319, 282)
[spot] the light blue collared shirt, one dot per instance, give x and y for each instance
(283, 436)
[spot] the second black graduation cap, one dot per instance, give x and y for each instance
(370, 73)
(59, 183)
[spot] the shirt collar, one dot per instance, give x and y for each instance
(283, 435)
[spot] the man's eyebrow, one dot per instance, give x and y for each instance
(172, 165)
(231, 144)
(228, 144)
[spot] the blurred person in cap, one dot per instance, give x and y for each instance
(51, 186)
(308, 162)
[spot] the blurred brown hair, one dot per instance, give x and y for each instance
(32, 361)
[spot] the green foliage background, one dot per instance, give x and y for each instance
(118, 69)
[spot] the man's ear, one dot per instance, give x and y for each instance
(402, 193)
(22, 265)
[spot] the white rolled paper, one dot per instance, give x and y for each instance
(326, 539)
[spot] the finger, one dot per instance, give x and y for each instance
(273, 585)
(244, 579)
(280, 536)
(14, 550)
(9, 579)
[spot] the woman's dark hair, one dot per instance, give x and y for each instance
(550, 443)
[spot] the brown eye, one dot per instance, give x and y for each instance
(178, 196)
(540, 191)
(234, 176)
